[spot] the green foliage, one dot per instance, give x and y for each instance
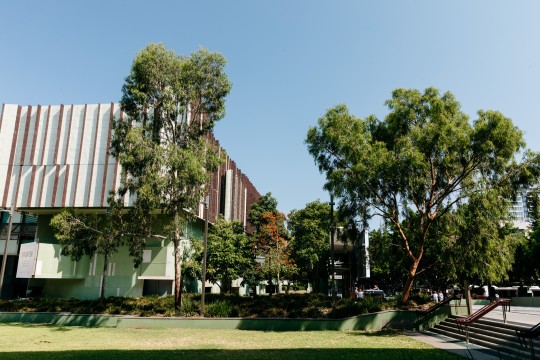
(172, 102)
(415, 166)
(189, 307)
(217, 305)
(480, 241)
(266, 203)
(347, 307)
(526, 268)
(87, 234)
(230, 253)
(388, 263)
(192, 259)
(221, 308)
(421, 298)
(83, 234)
(309, 229)
(270, 243)
(272, 249)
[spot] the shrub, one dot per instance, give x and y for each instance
(420, 298)
(189, 307)
(220, 308)
(217, 305)
(347, 307)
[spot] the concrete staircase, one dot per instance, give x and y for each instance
(494, 335)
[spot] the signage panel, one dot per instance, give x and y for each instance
(27, 260)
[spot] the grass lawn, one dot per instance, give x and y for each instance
(19, 341)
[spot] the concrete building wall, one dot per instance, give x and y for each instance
(56, 156)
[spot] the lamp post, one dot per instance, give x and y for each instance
(332, 260)
(5, 255)
(205, 250)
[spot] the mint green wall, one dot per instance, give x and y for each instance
(44, 232)
(51, 264)
(59, 276)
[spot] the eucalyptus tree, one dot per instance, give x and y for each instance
(172, 102)
(230, 254)
(414, 167)
(310, 247)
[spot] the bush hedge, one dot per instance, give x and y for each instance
(216, 305)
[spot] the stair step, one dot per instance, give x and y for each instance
(492, 334)
(490, 343)
(485, 347)
(497, 329)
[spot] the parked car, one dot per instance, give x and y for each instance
(375, 293)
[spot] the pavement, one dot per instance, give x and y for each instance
(460, 348)
(518, 315)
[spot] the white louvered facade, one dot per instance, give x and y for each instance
(56, 156)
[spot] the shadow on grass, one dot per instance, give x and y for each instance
(344, 353)
(380, 333)
(48, 326)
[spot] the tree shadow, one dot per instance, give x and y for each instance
(300, 354)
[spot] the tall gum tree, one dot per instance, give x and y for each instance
(172, 102)
(414, 167)
(229, 253)
(310, 247)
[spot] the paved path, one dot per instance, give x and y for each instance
(517, 314)
(469, 351)
(520, 315)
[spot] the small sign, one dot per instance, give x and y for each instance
(27, 260)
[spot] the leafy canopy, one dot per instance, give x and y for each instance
(172, 103)
(310, 247)
(230, 253)
(416, 165)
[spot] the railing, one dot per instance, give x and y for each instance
(438, 305)
(528, 334)
(464, 322)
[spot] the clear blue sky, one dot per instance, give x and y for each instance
(289, 61)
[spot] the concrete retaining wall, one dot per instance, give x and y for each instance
(374, 322)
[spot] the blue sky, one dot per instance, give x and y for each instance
(289, 61)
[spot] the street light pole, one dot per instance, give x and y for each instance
(205, 250)
(4, 257)
(332, 260)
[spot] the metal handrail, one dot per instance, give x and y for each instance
(438, 305)
(529, 334)
(468, 320)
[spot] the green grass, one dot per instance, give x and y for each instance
(18, 341)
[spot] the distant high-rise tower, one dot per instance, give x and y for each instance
(519, 207)
(519, 210)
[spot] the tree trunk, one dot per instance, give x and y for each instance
(316, 280)
(104, 277)
(467, 294)
(177, 263)
(410, 281)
